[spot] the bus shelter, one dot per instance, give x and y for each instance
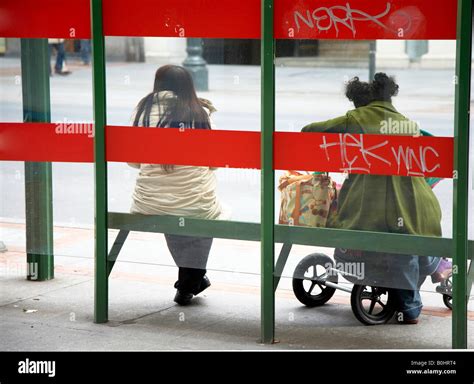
(36, 142)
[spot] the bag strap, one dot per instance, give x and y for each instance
(294, 179)
(296, 212)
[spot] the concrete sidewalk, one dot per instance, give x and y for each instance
(58, 314)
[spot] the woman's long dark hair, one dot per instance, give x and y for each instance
(184, 110)
(382, 88)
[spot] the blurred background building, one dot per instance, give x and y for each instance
(320, 53)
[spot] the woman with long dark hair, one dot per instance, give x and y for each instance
(185, 191)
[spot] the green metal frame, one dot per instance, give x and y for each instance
(267, 174)
(35, 67)
(323, 237)
(461, 167)
(101, 289)
(288, 235)
(267, 232)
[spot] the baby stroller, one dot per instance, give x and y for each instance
(315, 280)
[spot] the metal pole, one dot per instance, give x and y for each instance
(372, 59)
(415, 49)
(196, 64)
(100, 120)
(268, 191)
(461, 177)
(35, 67)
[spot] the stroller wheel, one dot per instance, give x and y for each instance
(448, 298)
(448, 301)
(308, 280)
(372, 305)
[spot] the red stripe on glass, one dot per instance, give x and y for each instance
(363, 154)
(294, 19)
(62, 142)
(183, 18)
(366, 20)
(232, 149)
(45, 19)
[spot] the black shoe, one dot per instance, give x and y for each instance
(62, 73)
(205, 283)
(183, 298)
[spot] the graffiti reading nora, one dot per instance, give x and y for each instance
(356, 157)
(325, 18)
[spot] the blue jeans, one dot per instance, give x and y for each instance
(86, 51)
(408, 301)
(60, 55)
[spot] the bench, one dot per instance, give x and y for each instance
(288, 235)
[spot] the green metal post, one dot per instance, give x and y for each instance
(100, 119)
(280, 264)
(461, 179)
(35, 67)
(268, 191)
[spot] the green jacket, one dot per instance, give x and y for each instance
(397, 204)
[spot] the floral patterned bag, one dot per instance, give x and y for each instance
(306, 199)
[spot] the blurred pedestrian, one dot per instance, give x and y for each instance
(86, 51)
(60, 65)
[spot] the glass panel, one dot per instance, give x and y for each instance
(470, 306)
(25, 189)
(12, 190)
(311, 87)
(10, 77)
(229, 79)
(73, 183)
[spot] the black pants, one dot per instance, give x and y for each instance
(190, 255)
